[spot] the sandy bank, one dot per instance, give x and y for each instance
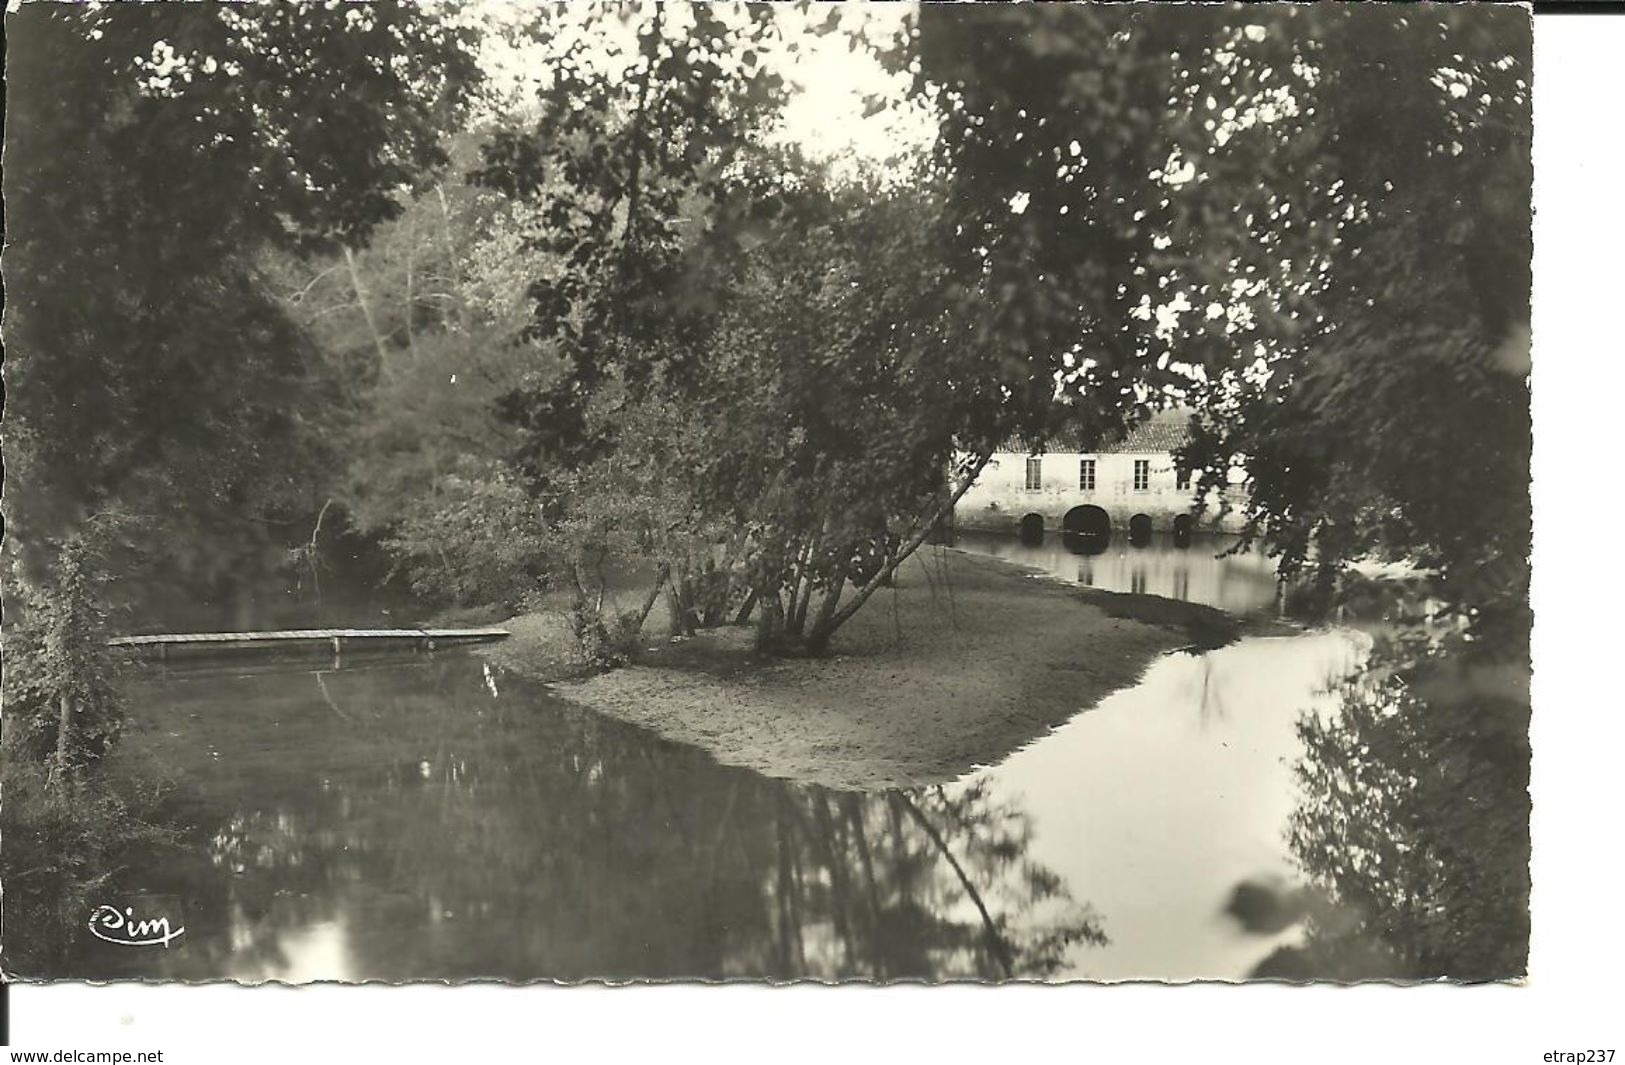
(966, 660)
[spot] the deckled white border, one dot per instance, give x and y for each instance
(1569, 1003)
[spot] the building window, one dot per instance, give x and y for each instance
(1035, 473)
(1142, 474)
(1086, 475)
(1182, 479)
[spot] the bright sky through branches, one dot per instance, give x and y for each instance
(842, 102)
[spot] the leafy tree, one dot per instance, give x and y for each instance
(419, 335)
(813, 430)
(837, 405)
(642, 117)
(477, 539)
(687, 265)
(1311, 222)
(157, 393)
(65, 850)
(128, 389)
(63, 709)
(451, 263)
(639, 116)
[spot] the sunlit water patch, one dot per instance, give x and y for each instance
(1155, 805)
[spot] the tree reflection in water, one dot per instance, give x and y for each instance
(1415, 825)
(407, 823)
(920, 884)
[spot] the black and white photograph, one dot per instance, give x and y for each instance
(833, 493)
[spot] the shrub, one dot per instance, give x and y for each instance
(62, 707)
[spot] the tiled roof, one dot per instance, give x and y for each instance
(1164, 431)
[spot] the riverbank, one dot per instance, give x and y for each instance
(965, 661)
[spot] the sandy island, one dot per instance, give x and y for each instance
(966, 660)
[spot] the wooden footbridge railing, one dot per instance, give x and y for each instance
(300, 641)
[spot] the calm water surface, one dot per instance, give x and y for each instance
(1241, 584)
(436, 819)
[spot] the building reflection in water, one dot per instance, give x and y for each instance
(1241, 584)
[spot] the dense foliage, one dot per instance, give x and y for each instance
(1310, 222)
(863, 400)
(263, 271)
(629, 155)
(172, 388)
(153, 428)
(63, 709)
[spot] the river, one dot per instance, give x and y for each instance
(435, 818)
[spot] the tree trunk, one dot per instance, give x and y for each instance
(603, 585)
(795, 612)
(903, 554)
(795, 615)
(822, 629)
(654, 593)
(458, 297)
(64, 740)
(411, 296)
(674, 610)
(366, 308)
(746, 608)
(587, 623)
(770, 623)
(680, 604)
(717, 585)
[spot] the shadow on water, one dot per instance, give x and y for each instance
(243, 587)
(1086, 543)
(437, 820)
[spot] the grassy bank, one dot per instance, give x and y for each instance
(966, 660)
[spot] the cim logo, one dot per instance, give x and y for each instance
(113, 925)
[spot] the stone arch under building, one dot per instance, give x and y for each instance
(1184, 525)
(1087, 529)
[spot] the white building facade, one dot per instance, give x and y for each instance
(1135, 476)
